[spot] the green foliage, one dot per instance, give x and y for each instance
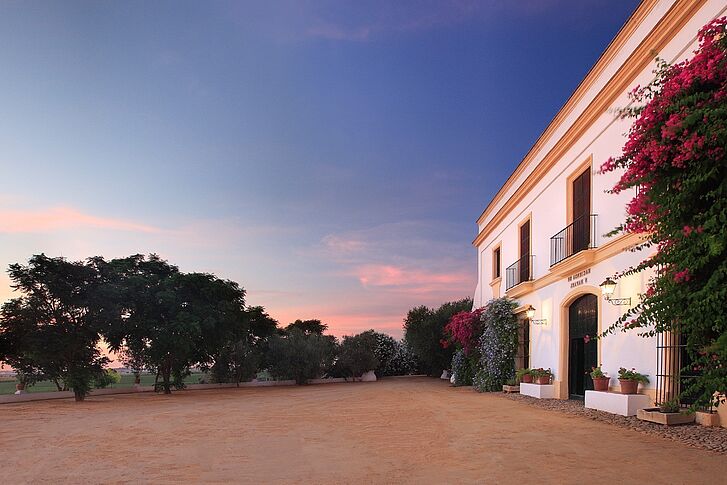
(395, 358)
(52, 331)
(522, 373)
(671, 406)
(424, 333)
(675, 157)
(597, 373)
(107, 378)
(498, 345)
(300, 356)
(356, 354)
(632, 375)
(464, 368)
(308, 326)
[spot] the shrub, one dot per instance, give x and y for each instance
(498, 345)
(632, 375)
(464, 368)
(107, 378)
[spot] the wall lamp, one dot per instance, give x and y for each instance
(530, 313)
(608, 287)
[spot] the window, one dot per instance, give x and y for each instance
(496, 263)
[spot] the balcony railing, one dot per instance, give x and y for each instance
(576, 237)
(519, 271)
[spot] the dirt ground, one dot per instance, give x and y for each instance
(403, 430)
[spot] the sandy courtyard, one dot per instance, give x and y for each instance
(411, 430)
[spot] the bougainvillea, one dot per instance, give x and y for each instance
(464, 330)
(497, 345)
(675, 159)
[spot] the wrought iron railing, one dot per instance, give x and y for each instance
(674, 369)
(519, 271)
(576, 237)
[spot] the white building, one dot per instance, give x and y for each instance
(542, 238)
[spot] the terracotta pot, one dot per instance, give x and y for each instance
(20, 386)
(629, 386)
(601, 383)
(527, 378)
(543, 380)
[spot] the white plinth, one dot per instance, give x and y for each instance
(369, 376)
(540, 391)
(612, 402)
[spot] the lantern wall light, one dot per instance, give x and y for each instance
(607, 288)
(530, 313)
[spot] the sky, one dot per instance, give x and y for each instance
(330, 156)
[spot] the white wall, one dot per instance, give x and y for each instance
(546, 204)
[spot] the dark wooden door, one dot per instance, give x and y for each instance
(525, 252)
(522, 359)
(582, 348)
(581, 229)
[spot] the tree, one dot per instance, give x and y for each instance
(356, 354)
(300, 356)
(424, 333)
(676, 158)
(308, 326)
(52, 331)
(170, 320)
(242, 354)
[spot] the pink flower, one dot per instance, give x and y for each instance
(682, 276)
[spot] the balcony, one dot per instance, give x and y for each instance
(519, 272)
(578, 236)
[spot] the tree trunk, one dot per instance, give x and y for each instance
(78, 396)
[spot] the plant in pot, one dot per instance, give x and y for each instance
(600, 379)
(630, 379)
(524, 375)
(542, 376)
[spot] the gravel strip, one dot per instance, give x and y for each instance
(708, 438)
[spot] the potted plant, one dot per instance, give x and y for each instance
(668, 412)
(511, 385)
(600, 380)
(524, 375)
(542, 376)
(629, 380)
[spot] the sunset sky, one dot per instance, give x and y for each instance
(330, 156)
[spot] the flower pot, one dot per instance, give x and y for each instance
(543, 380)
(527, 378)
(601, 383)
(629, 386)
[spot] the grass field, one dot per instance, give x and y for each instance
(8, 386)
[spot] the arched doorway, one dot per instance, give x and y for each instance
(582, 348)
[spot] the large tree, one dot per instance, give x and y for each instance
(53, 329)
(676, 158)
(356, 354)
(300, 356)
(170, 321)
(424, 333)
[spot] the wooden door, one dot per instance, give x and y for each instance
(525, 252)
(582, 348)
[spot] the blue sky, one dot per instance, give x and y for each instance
(331, 156)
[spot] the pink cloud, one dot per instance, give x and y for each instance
(391, 275)
(58, 218)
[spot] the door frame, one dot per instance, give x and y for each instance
(564, 338)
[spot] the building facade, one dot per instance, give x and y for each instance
(542, 239)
